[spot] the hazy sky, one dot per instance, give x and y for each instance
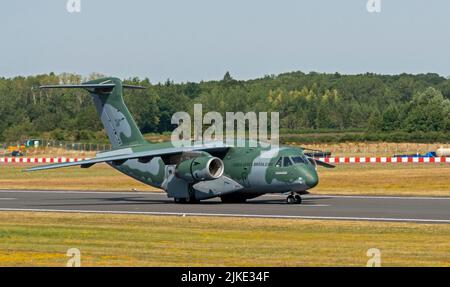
(193, 40)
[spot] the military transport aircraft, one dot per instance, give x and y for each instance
(191, 174)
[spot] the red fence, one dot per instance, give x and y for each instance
(336, 160)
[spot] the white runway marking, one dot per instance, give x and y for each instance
(83, 192)
(310, 205)
(7, 198)
(384, 197)
(183, 214)
(365, 196)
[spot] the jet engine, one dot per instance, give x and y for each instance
(200, 169)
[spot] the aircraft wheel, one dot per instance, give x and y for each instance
(191, 199)
(290, 199)
(179, 200)
(298, 199)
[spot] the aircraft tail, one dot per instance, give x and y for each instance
(107, 94)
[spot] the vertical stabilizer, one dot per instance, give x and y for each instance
(108, 99)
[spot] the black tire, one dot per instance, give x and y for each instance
(191, 198)
(298, 199)
(290, 199)
(233, 200)
(180, 200)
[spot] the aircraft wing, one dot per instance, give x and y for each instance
(120, 156)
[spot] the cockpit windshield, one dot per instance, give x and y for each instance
(299, 159)
(287, 161)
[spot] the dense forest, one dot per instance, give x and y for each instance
(407, 106)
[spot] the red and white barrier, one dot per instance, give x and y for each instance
(369, 160)
(8, 160)
(332, 160)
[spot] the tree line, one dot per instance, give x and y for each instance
(307, 102)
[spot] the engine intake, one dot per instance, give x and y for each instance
(200, 169)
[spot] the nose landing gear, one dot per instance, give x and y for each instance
(294, 198)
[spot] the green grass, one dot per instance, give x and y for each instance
(42, 239)
(386, 179)
(98, 177)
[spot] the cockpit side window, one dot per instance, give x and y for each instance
(279, 162)
(287, 161)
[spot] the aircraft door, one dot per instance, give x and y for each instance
(174, 186)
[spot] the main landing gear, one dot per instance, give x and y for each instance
(294, 198)
(186, 200)
(189, 199)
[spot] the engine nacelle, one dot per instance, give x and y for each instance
(200, 169)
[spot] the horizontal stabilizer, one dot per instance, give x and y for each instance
(90, 86)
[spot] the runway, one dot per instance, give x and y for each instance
(372, 208)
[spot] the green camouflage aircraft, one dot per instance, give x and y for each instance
(191, 174)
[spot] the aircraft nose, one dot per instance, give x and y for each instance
(311, 178)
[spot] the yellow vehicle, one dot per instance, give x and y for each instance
(16, 150)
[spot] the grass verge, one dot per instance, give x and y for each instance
(42, 239)
(98, 177)
(386, 179)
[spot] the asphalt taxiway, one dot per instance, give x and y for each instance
(373, 208)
